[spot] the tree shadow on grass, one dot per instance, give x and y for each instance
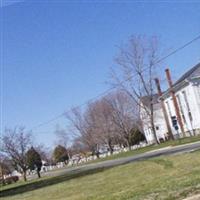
(48, 182)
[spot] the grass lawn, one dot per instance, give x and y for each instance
(166, 177)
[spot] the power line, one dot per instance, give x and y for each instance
(114, 87)
(180, 48)
(48, 122)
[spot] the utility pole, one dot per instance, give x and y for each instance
(175, 101)
(164, 109)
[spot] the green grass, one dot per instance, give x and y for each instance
(162, 178)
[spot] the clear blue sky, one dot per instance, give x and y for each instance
(57, 54)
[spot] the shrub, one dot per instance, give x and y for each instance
(11, 179)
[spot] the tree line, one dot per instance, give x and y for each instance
(113, 119)
(18, 153)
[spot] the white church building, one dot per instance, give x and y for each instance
(187, 92)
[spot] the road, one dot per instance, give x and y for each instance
(195, 197)
(111, 163)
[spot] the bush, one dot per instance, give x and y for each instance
(136, 137)
(60, 154)
(34, 160)
(11, 179)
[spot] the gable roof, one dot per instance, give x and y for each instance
(146, 101)
(193, 72)
(190, 74)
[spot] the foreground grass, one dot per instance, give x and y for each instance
(166, 177)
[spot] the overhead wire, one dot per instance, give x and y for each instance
(115, 86)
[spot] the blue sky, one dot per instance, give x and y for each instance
(58, 54)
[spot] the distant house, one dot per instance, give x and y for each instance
(187, 92)
(159, 123)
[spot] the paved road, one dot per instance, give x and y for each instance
(135, 158)
(195, 197)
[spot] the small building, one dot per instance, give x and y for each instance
(159, 123)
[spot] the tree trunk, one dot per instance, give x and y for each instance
(69, 156)
(154, 132)
(24, 175)
(152, 123)
(110, 147)
(65, 162)
(128, 144)
(3, 181)
(97, 154)
(38, 173)
(2, 174)
(95, 151)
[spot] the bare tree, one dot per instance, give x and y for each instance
(62, 136)
(125, 115)
(15, 144)
(83, 132)
(4, 167)
(78, 147)
(100, 115)
(137, 61)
